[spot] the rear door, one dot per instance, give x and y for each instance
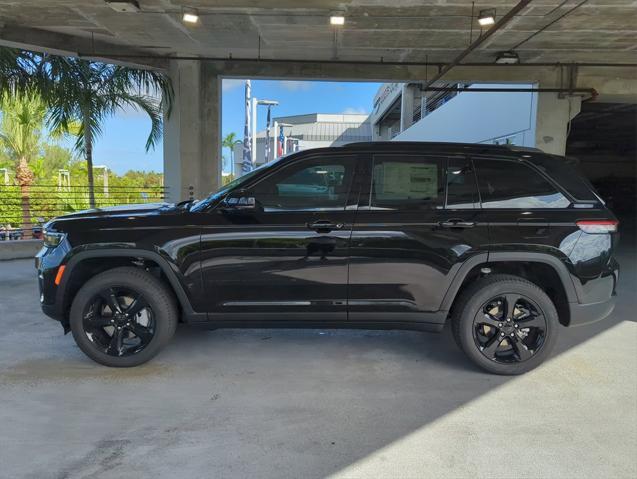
(418, 220)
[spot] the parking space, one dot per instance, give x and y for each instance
(312, 403)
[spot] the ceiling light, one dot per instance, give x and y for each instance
(337, 19)
(507, 58)
(486, 17)
(123, 6)
(190, 16)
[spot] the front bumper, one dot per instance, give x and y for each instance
(47, 262)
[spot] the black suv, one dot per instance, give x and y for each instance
(506, 243)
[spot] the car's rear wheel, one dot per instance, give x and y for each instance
(123, 317)
(505, 324)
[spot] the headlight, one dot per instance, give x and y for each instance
(52, 239)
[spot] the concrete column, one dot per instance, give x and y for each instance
(553, 115)
(407, 103)
(192, 133)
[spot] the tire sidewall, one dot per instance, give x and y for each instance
(138, 281)
(484, 294)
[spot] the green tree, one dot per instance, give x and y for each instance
(84, 93)
(87, 92)
(18, 69)
(20, 132)
(54, 159)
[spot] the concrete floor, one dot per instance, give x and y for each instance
(310, 403)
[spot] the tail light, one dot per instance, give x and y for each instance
(598, 226)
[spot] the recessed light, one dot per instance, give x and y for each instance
(123, 6)
(507, 58)
(486, 17)
(338, 20)
(190, 16)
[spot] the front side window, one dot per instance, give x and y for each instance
(462, 191)
(404, 182)
(315, 184)
(508, 184)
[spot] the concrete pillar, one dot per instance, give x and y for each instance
(407, 103)
(192, 133)
(553, 115)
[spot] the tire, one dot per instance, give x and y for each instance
(480, 327)
(113, 332)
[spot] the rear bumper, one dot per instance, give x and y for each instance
(590, 313)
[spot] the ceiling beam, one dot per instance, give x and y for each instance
(68, 45)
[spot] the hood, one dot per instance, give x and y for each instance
(123, 210)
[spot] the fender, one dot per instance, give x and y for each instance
(488, 258)
(459, 277)
(189, 315)
(553, 261)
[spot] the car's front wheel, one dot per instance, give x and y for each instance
(505, 324)
(123, 317)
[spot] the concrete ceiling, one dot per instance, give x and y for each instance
(597, 31)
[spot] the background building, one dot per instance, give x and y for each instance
(402, 112)
(598, 136)
(312, 130)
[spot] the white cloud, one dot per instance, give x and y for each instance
(354, 111)
(231, 84)
(293, 85)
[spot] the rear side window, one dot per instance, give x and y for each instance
(507, 184)
(406, 182)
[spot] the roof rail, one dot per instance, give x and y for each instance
(442, 144)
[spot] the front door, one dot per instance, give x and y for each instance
(418, 220)
(286, 259)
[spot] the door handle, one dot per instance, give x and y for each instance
(324, 225)
(456, 223)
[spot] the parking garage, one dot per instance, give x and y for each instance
(317, 403)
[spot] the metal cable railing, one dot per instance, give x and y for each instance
(23, 211)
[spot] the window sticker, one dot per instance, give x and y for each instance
(408, 180)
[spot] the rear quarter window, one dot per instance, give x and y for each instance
(509, 184)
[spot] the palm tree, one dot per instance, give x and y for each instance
(23, 117)
(85, 92)
(17, 71)
(229, 142)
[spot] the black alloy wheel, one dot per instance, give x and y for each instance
(123, 316)
(505, 324)
(509, 328)
(119, 321)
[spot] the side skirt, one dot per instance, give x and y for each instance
(432, 322)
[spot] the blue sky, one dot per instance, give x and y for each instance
(121, 146)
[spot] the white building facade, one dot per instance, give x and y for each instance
(302, 132)
(402, 112)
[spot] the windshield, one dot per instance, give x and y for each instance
(237, 182)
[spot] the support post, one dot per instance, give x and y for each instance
(192, 133)
(553, 115)
(407, 101)
(254, 131)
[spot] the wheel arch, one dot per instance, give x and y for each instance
(86, 264)
(546, 271)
